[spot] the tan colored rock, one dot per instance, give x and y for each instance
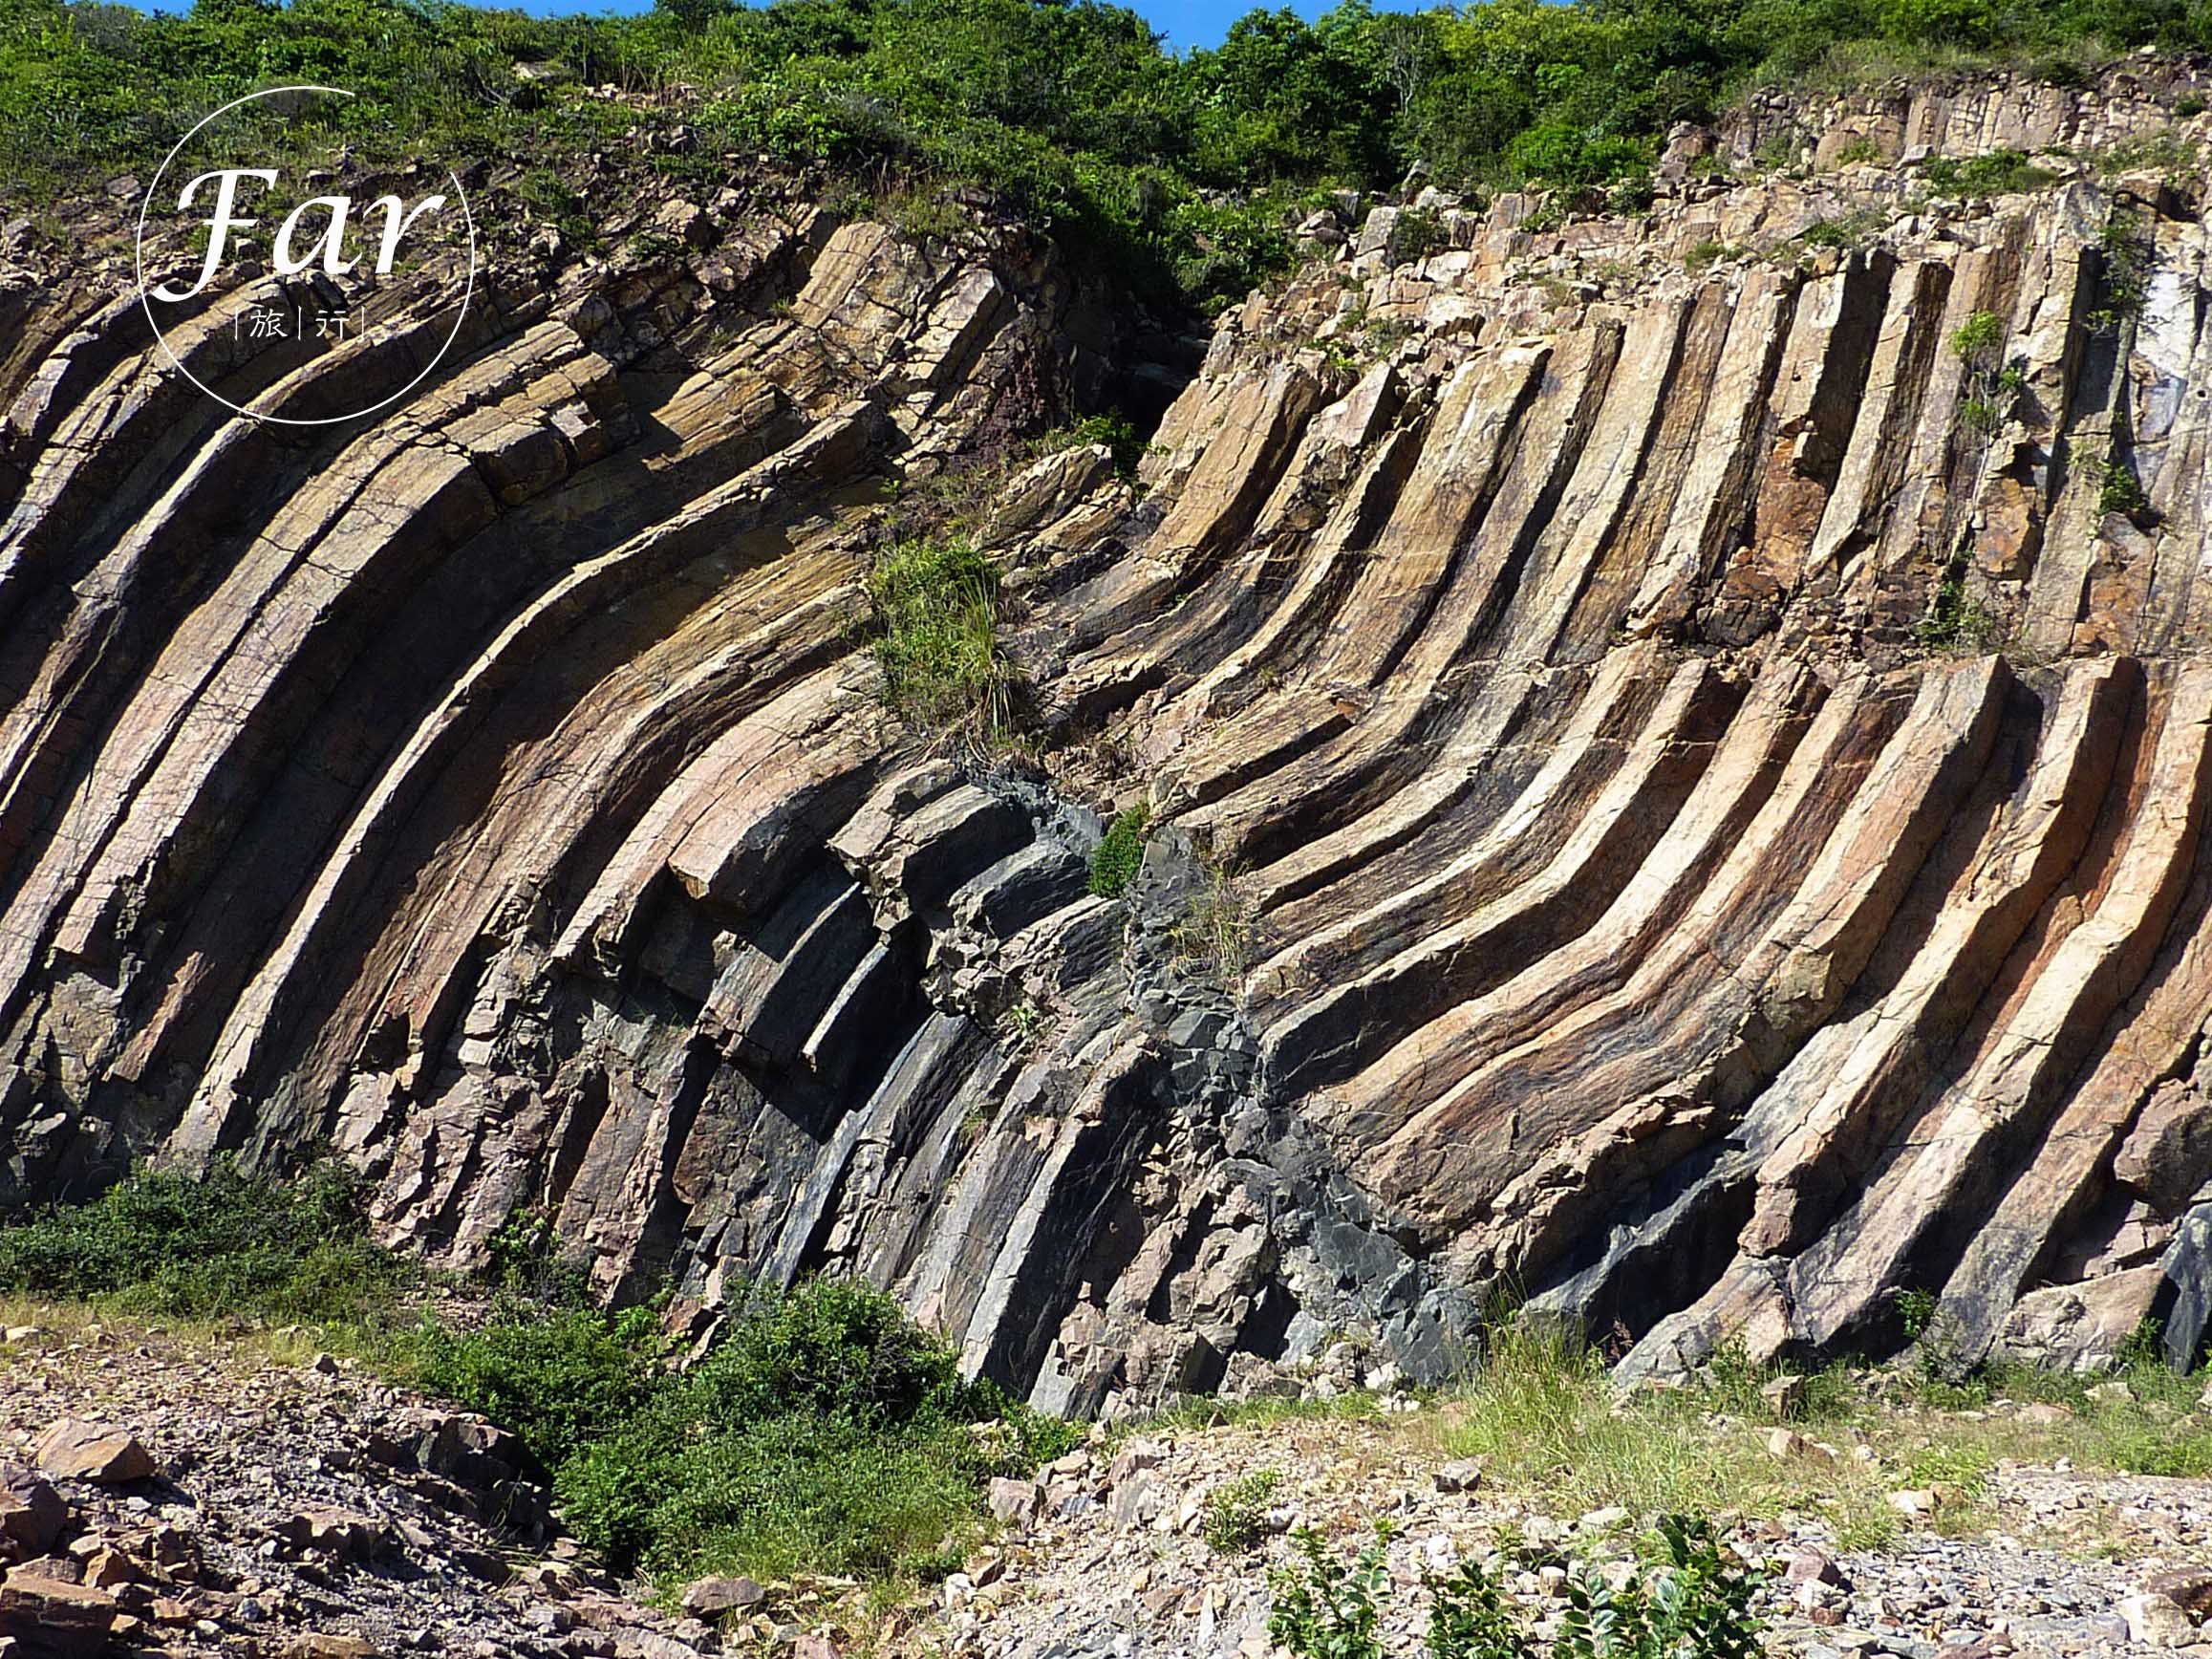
(52, 1620)
(2154, 1621)
(711, 1597)
(73, 1449)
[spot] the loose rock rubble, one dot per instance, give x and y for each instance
(159, 1497)
(1113, 1566)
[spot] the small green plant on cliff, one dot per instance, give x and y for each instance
(2126, 250)
(1119, 853)
(1996, 173)
(1217, 927)
(1956, 619)
(2118, 490)
(1977, 339)
(934, 603)
(1322, 1606)
(1235, 1514)
(1990, 383)
(1112, 428)
(1415, 233)
(1915, 1308)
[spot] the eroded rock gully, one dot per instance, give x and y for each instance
(1637, 901)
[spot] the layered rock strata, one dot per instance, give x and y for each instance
(1677, 752)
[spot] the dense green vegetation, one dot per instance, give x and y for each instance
(1179, 168)
(933, 603)
(228, 1245)
(1687, 1599)
(1119, 853)
(823, 1430)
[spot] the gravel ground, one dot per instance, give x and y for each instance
(1115, 1567)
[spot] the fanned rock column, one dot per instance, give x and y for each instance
(1676, 787)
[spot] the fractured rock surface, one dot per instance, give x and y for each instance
(1714, 783)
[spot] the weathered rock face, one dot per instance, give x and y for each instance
(1714, 772)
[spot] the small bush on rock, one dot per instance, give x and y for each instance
(1119, 853)
(936, 613)
(1235, 1515)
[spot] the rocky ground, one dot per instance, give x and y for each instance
(183, 1493)
(2047, 1561)
(159, 1493)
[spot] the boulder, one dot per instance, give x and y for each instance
(1785, 1394)
(2080, 1327)
(2168, 1155)
(48, 1618)
(75, 1449)
(33, 1515)
(2189, 1588)
(710, 1598)
(327, 1645)
(339, 1534)
(1814, 1566)
(2155, 1620)
(1460, 1474)
(1014, 1501)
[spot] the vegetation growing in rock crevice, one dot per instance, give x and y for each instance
(1174, 172)
(1957, 619)
(1120, 852)
(933, 604)
(823, 1430)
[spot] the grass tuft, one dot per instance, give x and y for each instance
(936, 615)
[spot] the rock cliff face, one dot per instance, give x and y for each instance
(1679, 758)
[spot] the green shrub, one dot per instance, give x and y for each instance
(1975, 339)
(2118, 490)
(1469, 1617)
(1119, 853)
(1955, 620)
(1998, 173)
(1235, 1515)
(824, 1429)
(557, 1377)
(1323, 1607)
(226, 1244)
(1688, 1599)
(1113, 429)
(1415, 233)
(1691, 1603)
(936, 616)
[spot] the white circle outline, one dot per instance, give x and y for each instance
(145, 303)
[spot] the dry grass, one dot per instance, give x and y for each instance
(1543, 1415)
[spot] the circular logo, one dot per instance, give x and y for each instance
(229, 196)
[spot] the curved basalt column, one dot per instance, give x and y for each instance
(1672, 792)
